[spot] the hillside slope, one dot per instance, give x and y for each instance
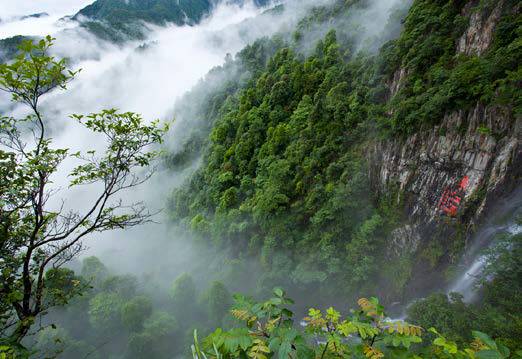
(361, 168)
(153, 11)
(117, 19)
(450, 174)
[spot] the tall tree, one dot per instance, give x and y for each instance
(35, 234)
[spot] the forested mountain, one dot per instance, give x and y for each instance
(367, 169)
(156, 11)
(120, 20)
(345, 171)
(344, 162)
(114, 18)
(152, 11)
(9, 47)
(108, 18)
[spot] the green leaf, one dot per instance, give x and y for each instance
(237, 338)
(440, 342)
(488, 354)
(284, 350)
(503, 350)
(485, 339)
(279, 292)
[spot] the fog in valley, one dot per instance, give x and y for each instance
(147, 82)
(150, 80)
(171, 76)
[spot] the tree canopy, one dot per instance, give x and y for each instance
(37, 235)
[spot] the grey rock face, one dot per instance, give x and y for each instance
(479, 35)
(469, 159)
(481, 145)
(405, 239)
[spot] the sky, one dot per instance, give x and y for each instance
(12, 10)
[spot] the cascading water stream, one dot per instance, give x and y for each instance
(465, 283)
(507, 213)
(505, 221)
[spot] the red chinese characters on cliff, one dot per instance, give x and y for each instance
(452, 197)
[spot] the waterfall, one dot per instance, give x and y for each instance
(505, 219)
(507, 213)
(465, 283)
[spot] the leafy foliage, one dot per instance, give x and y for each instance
(217, 301)
(121, 316)
(135, 311)
(284, 182)
(367, 333)
(36, 237)
(9, 47)
(497, 313)
(284, 172)
(284, 176)
(183, 295)
(439, 79)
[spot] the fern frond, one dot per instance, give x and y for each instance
(372, 353)
(259, 350)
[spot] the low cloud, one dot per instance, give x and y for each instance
(15, 17)
(150, 80)
(147, 77)
(12, 8)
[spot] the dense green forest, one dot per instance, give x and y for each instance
(119, 20)
(282, 198)
(284, 177)
(123, 316)
(284, 174)
(110, 19)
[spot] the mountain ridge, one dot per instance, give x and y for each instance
(110, 19)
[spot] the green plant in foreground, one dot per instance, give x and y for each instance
(270, 332)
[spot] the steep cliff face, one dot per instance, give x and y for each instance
(469, 159)
(285, 175)
(480, 146)
(479, 34)
(447, 177)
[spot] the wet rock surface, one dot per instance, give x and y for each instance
(448, 177)
(478, 36)
(482, 145)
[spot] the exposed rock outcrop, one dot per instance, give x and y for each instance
(481, 149)
(482, 145)
(478, 36)
(397, 80)
(405, 239)
(453, 172)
